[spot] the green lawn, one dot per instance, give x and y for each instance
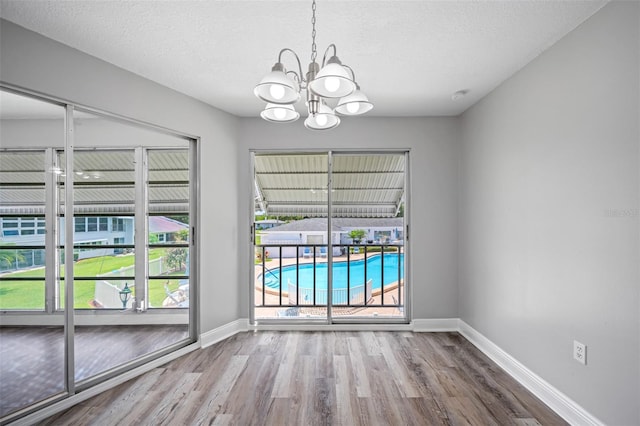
(30, 294)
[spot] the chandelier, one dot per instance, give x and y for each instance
(281, 89)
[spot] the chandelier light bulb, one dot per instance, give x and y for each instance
(321, 119)
(331, 84)
(353, 107)
(279, 113)
(276, 91)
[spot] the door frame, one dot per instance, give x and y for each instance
(330, 320)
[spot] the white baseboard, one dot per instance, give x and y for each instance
(435, 325)
(332, 327)
(224, 331)
(556, 400)
(564, 406)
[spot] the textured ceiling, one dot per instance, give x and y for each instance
(408, 56)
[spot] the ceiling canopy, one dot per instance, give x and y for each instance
(363, 185)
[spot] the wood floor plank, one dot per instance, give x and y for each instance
(321, 378)
(371, 341)
(401, 376)
(302, 391)
(220, 391)
(278, 413)
(117, 411)
(250, 397)
(325, 401)
(344, 408)
(165, 409)
(282, 385)
(358, 370)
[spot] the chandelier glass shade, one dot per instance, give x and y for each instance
(324, 119)
(331, 84)
(280, 113)
(354, 104)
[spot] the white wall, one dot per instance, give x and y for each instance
(549, 223)
(31, 61)
(434, 161)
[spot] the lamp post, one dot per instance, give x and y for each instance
(125, 295)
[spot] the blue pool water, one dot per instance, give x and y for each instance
(356, 273)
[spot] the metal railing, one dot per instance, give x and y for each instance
(293, 290)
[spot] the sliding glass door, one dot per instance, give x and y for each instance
(97, 255)
(309, 265)
(32, 359)
(131, 233)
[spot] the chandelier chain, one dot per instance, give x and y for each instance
(314, 52)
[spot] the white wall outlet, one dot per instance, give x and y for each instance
(580, 352)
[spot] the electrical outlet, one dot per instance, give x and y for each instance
(580, 352)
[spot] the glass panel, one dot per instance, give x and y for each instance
(169, 292)
(367, 209)
(291, 253)
(32, 352)
(168, 227)
(109, 196)
(169, 181)
(168, 269)
(128, 341)
(22, 294)
(102, 265)
(104, 182)
(32, 365)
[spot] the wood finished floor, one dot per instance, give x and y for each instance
(321, 378)
(32, 358)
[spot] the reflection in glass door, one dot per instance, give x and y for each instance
(131, 243)
(349, 266)
(96, 249)
(32, 337)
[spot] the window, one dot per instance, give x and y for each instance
(80, 224)
(103, 224)
(9, 223)
(117, 225)
(15, 226)
(92, 224)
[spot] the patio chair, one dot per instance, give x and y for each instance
(174, 298)
(306, 252)
(356, 250)
(289, 312)
(323, 252)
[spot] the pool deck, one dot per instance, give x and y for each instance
(319, 312)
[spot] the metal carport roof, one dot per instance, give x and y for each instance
(364, 185)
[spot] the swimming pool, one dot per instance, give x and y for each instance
(355, 268)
